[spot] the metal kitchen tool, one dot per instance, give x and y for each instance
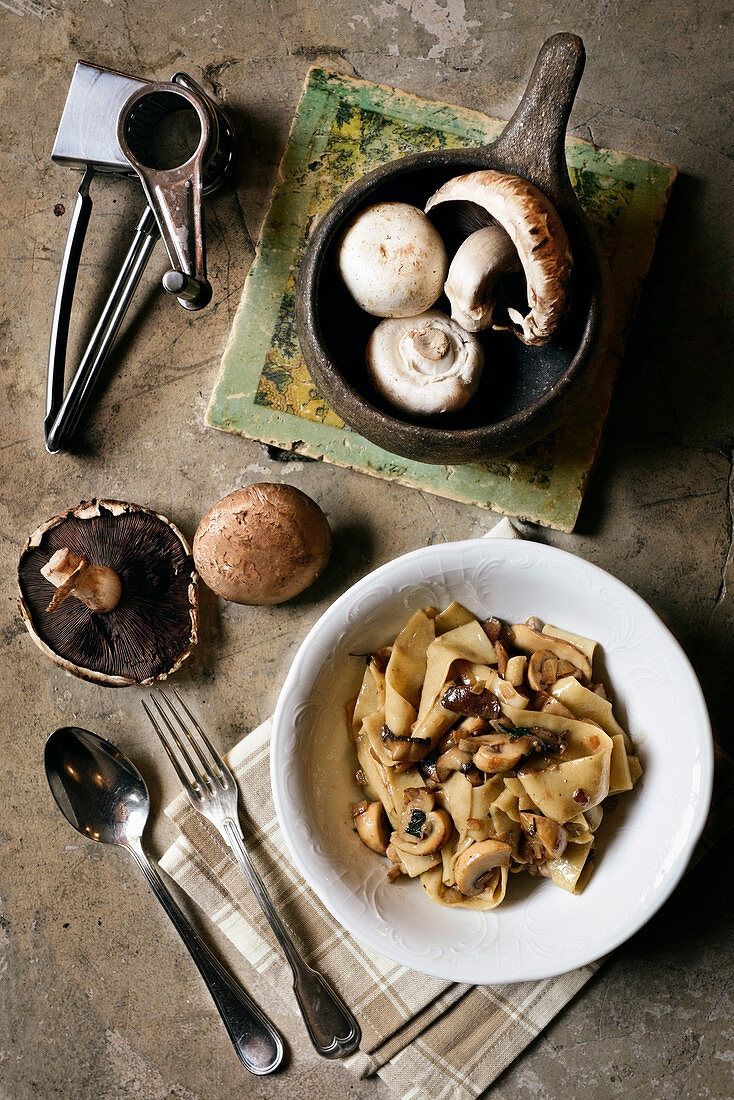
(332, 1028)
(112, 123)
(104, 796)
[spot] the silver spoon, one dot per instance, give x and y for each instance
(105, 798)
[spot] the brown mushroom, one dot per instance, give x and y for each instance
(373, 827)
(108, 592)
(461, 699)
(476, 863)
(262, 544)
(537, 234)
(551, 835)
(422, 829)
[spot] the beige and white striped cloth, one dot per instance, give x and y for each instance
(428, 1039)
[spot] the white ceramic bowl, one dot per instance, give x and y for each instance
(644, 843)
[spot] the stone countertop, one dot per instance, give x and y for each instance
(99, 999)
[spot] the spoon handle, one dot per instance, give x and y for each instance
(257, 1043)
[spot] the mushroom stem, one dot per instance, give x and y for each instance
(97, 586)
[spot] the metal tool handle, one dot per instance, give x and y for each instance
(333, 1029)
(63, 419)
(257, 1043)
(65, 297)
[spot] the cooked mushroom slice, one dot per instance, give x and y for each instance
(544, 668)
(372, 825)
(540, 240)
(424, 365)
(453, 760)
(498, 758)
(422, 828)
(477, 861)
(474, 274)
(529, 640)
(97, 586)
(551, 835)
(503, 752)
(463, 700)
(122, 588)
(554, 706)
(404, 750)
(392, 260)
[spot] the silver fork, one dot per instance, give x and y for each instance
(212, 791)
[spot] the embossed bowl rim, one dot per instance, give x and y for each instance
(619, 917)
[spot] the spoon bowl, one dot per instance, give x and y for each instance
(97, 789)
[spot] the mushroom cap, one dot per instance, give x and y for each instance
(535, 229)
(424, 365)
(153, 628)
(392, 260)
(262, 544)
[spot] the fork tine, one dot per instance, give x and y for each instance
(224, 770)
(213, 774)
(199, 780)
(185, 781)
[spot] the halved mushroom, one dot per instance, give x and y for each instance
(529, 640)
(424, 365)
(422, 828)
(372, 825)
(544, 668)
(478, 861)
(476, 269)
(535, 230)
(551, 834)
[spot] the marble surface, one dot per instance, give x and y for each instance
(98, 998)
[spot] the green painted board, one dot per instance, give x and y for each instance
(343, 128)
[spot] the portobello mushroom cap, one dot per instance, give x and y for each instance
(535, 229)
(74, 565)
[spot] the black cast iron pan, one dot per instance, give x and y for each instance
(526, 392)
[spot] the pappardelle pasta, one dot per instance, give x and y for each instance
(484, 749)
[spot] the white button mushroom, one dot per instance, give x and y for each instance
(535, 229)
(476, 269)
(424, 365)
(392, 260)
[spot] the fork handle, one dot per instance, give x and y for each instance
(332, 1028)
(257, 1043)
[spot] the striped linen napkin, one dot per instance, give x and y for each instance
(427, 1038)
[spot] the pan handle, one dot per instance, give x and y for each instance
(532, 143)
